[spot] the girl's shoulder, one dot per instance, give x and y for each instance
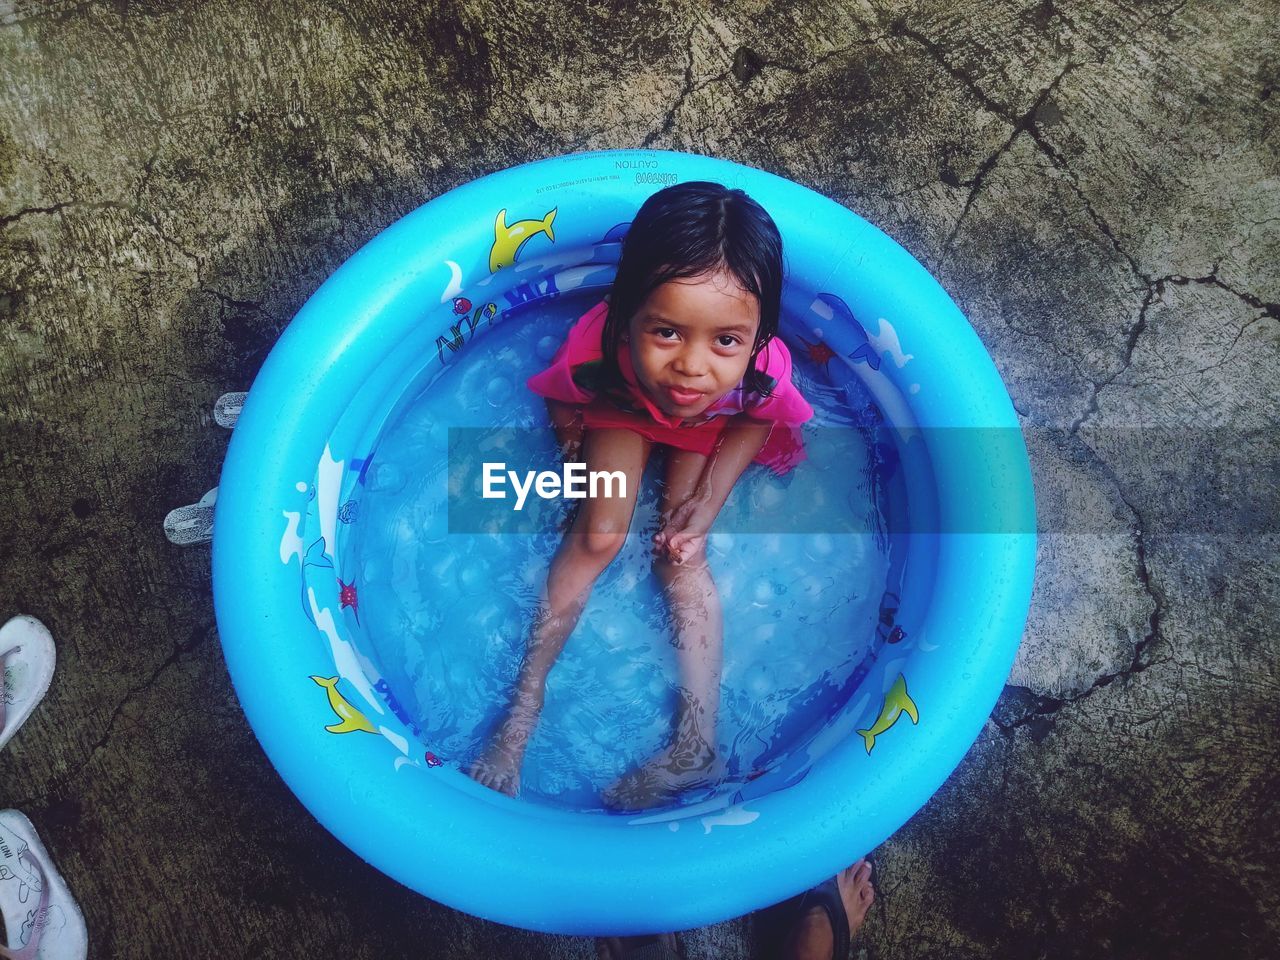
(584, 347)
(585, 333)
(574, 375)
(781, 400)
(775, 360)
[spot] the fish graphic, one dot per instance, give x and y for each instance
(348, 716)
(615, 233)
(897, 701)
(507, 240)
(835, 307)
(735, 816)
(315, 556)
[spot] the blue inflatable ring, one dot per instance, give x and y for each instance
(409, 301)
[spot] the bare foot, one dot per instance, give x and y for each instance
(498, 767)
(689, 762)
(813, 938)
(617, 948)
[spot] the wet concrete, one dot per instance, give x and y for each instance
(1098, 187)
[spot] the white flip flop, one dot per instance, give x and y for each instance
(192, 523)
(42, 921)
(26, 669)
(227, 410)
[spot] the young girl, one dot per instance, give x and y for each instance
(684, 353)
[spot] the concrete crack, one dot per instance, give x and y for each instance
(687, 90)
(1155, 292)
(178, 650)
(1268, 308)
(1020, 706)
(133, 210)
(52, 209)
(235, 304)
(899, 28)
(1023, 124)
(745, 65)
(760, 63)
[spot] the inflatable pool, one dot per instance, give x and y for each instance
(370, 617)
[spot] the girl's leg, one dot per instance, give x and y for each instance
(598, 532)
(695, 610)
(698, 625)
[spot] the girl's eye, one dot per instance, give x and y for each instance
(733, 341)
(662, 331)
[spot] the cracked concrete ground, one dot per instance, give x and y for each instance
(1096, 184)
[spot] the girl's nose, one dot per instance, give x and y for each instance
(692, 363)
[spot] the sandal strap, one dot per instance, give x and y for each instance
(827, 896)
(41, 915)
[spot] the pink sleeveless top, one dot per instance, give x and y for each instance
(575, 370)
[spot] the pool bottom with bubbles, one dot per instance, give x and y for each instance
(447, 611)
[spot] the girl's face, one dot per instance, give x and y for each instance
(691, 341)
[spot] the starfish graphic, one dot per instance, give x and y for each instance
(347, 597)
(818, 352)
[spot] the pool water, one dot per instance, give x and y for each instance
(806, 566)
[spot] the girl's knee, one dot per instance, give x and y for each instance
(599, 535)
(602, 545)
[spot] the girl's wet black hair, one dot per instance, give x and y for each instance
(688, 230)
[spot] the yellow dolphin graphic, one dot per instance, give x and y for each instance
(897, 701)
(507, 240)
(350, 718)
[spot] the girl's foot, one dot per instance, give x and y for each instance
(498, 768)
(813, 937)
(687, 763)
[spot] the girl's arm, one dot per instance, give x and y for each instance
(735, 448)
(567, 420)
(686, 529)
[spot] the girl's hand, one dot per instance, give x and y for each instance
(684, 532)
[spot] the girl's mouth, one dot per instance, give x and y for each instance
(684, 398)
